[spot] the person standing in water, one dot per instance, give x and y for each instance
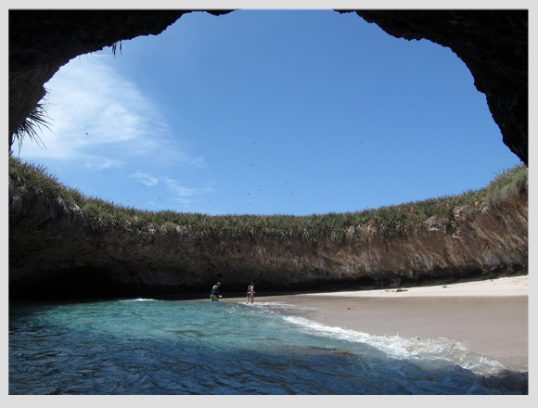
(250, 292)
(214, 295)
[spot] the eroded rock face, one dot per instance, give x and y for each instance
(493, 44)
(55, 250)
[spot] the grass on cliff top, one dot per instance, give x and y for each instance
(389, 221)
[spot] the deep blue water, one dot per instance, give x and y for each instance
(197, 347)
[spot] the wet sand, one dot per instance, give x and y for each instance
(488, 317)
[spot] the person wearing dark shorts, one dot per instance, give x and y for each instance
(214, 295)
(250, 292)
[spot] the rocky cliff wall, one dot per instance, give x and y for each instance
(55, 247)
(57, 250)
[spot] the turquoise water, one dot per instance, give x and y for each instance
(144, 346)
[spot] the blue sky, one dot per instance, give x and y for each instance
(269, 112)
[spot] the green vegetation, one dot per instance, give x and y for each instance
(506, 185)
(390, 221)
(35, 120)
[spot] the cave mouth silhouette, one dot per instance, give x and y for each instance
(117, 45)
(87, 277)
(41, 41)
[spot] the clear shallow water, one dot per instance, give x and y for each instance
(144, 346)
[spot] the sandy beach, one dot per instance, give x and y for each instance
(488, 317)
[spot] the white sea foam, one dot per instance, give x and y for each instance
(277, 305)
(405, 348)
(137, 300)
(279, 308)
(271, 304)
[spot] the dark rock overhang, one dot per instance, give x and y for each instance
(493, 44)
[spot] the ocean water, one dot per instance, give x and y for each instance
(145, 346)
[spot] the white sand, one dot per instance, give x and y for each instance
(488, 317)
(509, 286)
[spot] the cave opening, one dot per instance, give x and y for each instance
(269, 112)
(306, 151)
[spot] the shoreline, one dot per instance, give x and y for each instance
(489, 318)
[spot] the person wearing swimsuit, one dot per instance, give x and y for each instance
(250, 292)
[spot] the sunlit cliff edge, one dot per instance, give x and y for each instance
(64, 244)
